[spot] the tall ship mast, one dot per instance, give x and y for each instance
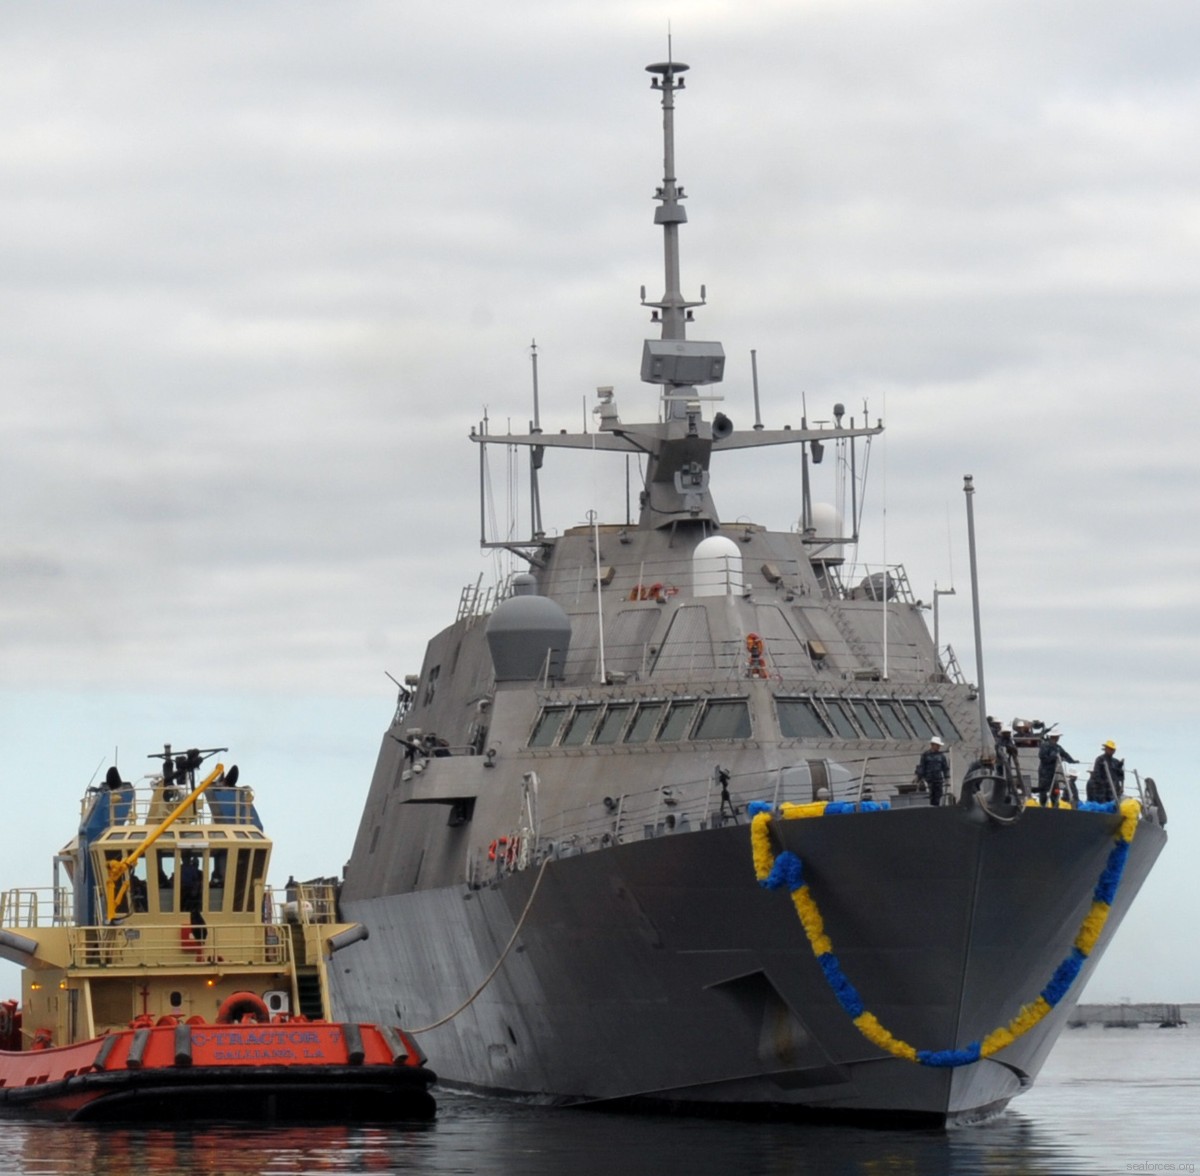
(644, 829)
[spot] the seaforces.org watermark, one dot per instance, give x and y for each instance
(1151, 1166)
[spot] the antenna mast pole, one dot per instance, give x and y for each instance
(536, 453)
(969, 491)
(670, 214)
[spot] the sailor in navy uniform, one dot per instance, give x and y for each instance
(1049, 755)
(934, 769)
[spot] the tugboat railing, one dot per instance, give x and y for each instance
(41, 906)
(179, 946)
(147, 806)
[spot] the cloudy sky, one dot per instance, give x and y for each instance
(265, 264)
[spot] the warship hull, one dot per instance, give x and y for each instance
(661, 973)
(554, 859)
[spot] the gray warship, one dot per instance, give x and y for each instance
(643, 831)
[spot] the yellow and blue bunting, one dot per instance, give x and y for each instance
(785, 871)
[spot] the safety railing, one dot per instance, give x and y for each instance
(305, 902)
(174, 947)
(661, 580)
(138, 804)
(45, 906)
(688, 806)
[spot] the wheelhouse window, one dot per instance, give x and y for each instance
(679, 721)
(866, 719)
(605, 724)
(892, 720)
(579, 726)
(946, 727)
(645, 722)
(249, 870)
(548, 723)
(918, 720)
(613, 723)
(165, 863)
(840, 718)
(799, 719)
(724, 719)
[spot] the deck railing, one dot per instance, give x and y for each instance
(173, 947)
(41, 906)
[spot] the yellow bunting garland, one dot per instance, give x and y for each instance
(775, 871)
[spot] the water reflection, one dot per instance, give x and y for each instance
(480, 1136)
(1104, 1102)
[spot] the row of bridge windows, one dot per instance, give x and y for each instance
(598, 724)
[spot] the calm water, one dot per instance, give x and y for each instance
(1107, 1101)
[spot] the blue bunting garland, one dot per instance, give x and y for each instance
(786, 871)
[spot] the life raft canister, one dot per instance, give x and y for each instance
(240, 1005)
(504, 849)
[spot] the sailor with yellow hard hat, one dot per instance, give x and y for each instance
(1107, 781)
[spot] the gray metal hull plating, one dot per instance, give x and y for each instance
(660, 970)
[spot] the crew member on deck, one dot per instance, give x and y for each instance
(933, 769)
(1107, 781)
(1049, 755)
(190, 883)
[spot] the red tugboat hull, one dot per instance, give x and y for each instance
(179, 1072)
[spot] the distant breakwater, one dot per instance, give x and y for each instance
(1128, 1015)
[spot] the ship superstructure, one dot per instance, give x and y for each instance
(555, 859)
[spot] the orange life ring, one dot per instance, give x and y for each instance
(499, 846)
(240, 1005)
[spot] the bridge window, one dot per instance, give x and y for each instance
(866, 718)
(679, 721)
(725, 719)
(165, 859)
(547, 726)
(839, 716)
(892, 720)
(946, 727)
(644, 722)
(613, 723)
(579, 726)
(917, 718)
(798, 719)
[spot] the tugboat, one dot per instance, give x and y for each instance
(164, 982)
(644, 828)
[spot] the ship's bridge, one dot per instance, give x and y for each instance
(169, 848)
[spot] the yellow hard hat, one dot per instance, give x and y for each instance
(1109, 744)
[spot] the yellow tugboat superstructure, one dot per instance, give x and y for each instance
(166, 928)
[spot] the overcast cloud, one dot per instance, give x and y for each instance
(264, 265)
